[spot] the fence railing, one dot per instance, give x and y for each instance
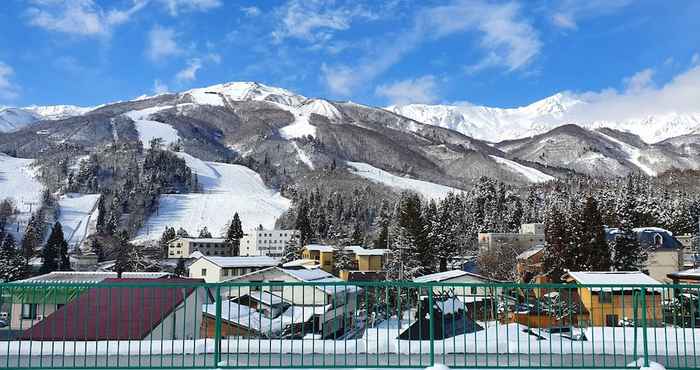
(179, 323)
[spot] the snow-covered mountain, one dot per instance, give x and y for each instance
(499, 124)
(12, 119)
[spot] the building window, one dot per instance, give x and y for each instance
(29, 311)
(605, 297)
(204, 272)
(611, 320)
(473, 290)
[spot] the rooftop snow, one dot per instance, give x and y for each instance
(530, 173)
(616, 278)
(319, 247)
(529, 253)
(440, 276)
(254, 261)
(91, 276)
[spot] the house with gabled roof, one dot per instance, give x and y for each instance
(117, 309)
(332, 299)
(215, 269)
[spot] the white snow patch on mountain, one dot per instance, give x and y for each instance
(18, 183)
(303, 157)
(227, 188)
(149, 130)
(533, 175)
(78, 216)
(634, 154)
(427, 189)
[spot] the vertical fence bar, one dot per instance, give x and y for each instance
(644, 327)
(432, 324)
(217, 327)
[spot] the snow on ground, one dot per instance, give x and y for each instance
(634, 155)
(530, 173)
(149, 130)
(427, 189)
(227, 188)
(303, 156)
(78, 216)
(18, 183)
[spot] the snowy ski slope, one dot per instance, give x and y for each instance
(18, 183)
(227, 188)
(427, 189)
(78, 216)
(530, 173)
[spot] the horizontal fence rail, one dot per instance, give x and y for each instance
(274, 324)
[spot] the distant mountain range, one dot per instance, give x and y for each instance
(499, 124)
(12, 119)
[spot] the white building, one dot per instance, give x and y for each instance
(266, 242)
(529, 236)
(182, 247)
(216, 269)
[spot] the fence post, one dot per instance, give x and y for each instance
(432, 324)
(217, 328)
(644, 326)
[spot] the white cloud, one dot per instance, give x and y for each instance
(180, 6)
(695, 59)
(505, 37)
(159, 87)
(79, 17)
(418, 90)
(567, 13)
(189, 73)
(680, 95)
(162, 43)
(8, 90)
(316, 21)
(640, 81)
(251, 11)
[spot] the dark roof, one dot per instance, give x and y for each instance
(114, 312)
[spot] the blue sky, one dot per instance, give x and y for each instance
(87, 52)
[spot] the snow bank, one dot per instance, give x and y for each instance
(18, 182)
(634, 155)
(227, 188)
(78, 216)
(530, 173)
(427, 189)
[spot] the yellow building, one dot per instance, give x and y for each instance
(368, 264)
(322, 254)
(610, 305)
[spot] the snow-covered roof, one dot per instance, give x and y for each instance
(319, 247)
(691, 273)
(308, 275)
(90, 276)
(246, 317)
(204, 240)
(265, 297)
(450, 305)
(196, 255)
(529, 253)
(440, 276)
(304, 262)
(253, 261)
(609, 277)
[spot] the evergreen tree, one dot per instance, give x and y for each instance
(626, 252)
(182, 233)
(303, 224)
(101, 215)
(556, 259)
(234, 234)
(55, 252)
(32, 238)
(292, 250)
(123, 262)
(180, 268)
(97, 248)
(168, 236)
(592, 252)
(204, 233)
(382, 224)
(12, 264)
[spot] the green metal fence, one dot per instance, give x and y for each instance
(181, 324)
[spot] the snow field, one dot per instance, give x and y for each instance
(227, 188)
(427, 189)
(634, 155)
(149, 130)
(78, 216)
(530, 173)
(18, 183)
